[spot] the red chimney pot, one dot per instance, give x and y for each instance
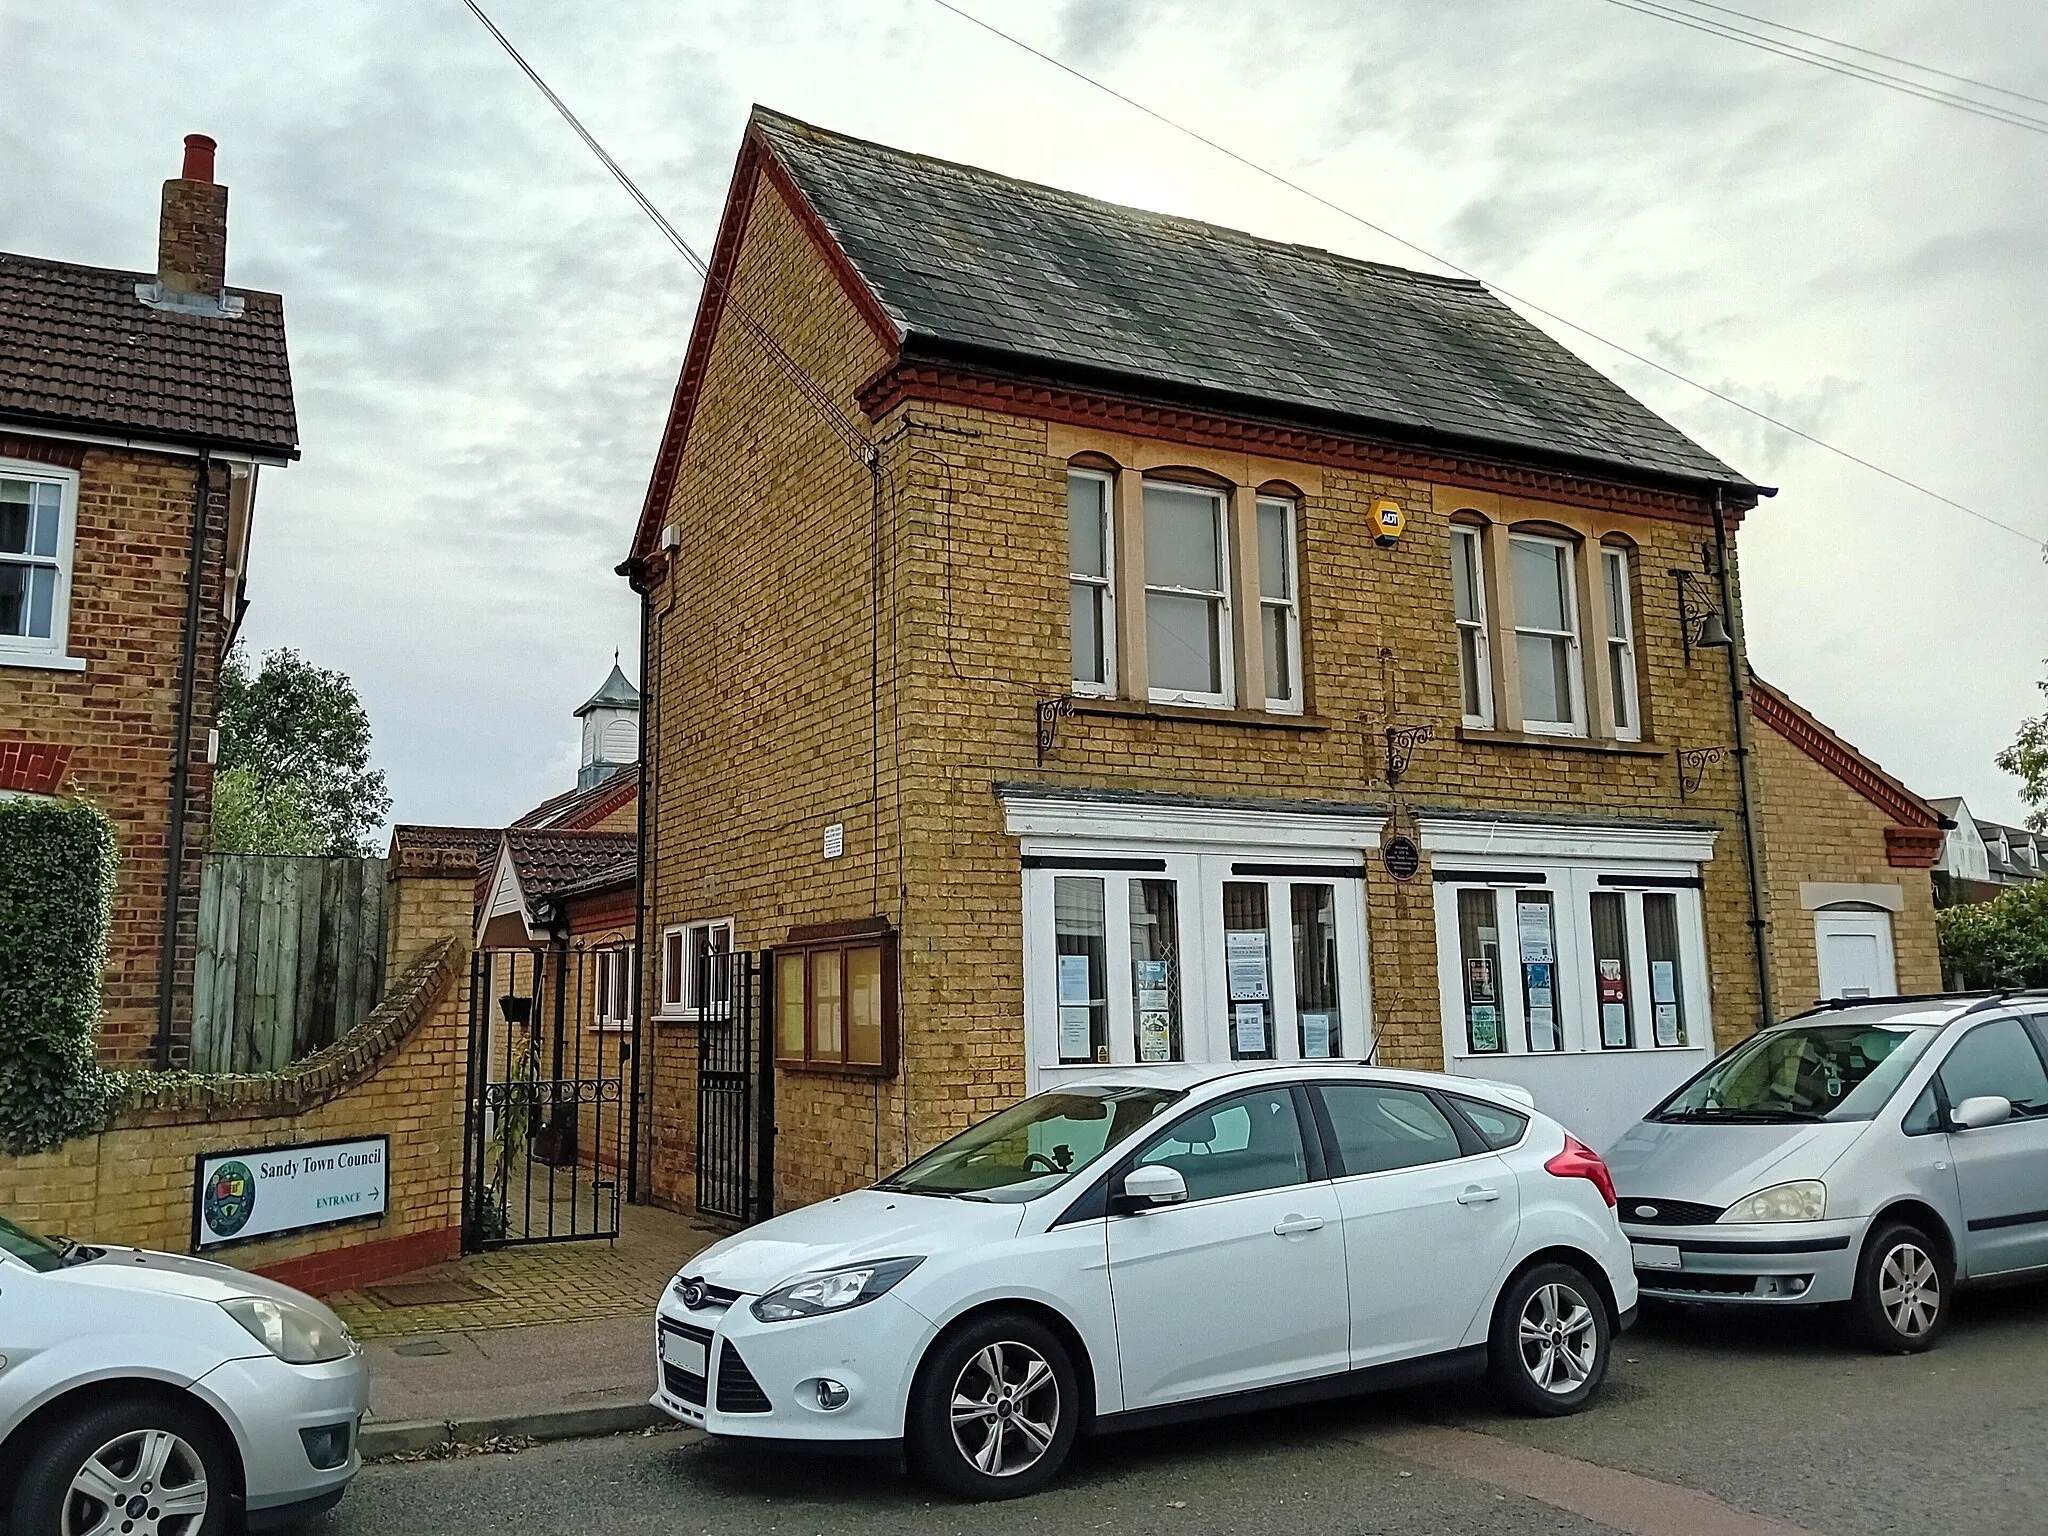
(198, 157)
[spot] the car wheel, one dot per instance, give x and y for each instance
(995, 1408)
(1550, 1341)
(1904, 1284)
(138, 1466)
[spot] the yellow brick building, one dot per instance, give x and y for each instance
(1077, 635)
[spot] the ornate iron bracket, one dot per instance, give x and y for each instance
(1050, 713)
(1693, 763)
(1701, 623)
(1401, 744)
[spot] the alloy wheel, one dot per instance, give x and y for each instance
(1909, 1290)
(1005, 1409)
(146, 1482)
(1559, 1340)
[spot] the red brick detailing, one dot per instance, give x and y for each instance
(32, 767)
(42, 450)
(903, 381)
(1912, 847)
(1919, 822)
(343, 1269)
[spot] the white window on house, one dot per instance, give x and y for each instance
(696, 968)
(1187, 609)
(1091, 580)
(1547, 635)
(611, 972)
(1621, 644)
(1279, 606)
(1475, 663)
(37, 512)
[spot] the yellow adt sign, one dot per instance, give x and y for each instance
(1388, 523)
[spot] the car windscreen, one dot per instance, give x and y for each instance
(34, 1250)
(1816, 1071)
(1033, 1147)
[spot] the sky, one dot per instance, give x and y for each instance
(485, 332)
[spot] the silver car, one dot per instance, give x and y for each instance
(149, 1394)
(1877, 1153)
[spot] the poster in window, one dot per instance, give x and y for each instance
(1666, 1015)
(1484, 1020)
(1613, 989)
(1245, 957)
(1152, 999)
(1155, 1036)
(1074, 1033)
(1542, 1026)
(1315, 1036)
(1479, 981)
(1663, 981)
(1614, 1025)
(1533, 919)
(1251, 1028)
(1074, 987)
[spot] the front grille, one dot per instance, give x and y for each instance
(676, 1381)
(1670, 1213)
(738, 1392)
(714, 1295)
(1700, 1283)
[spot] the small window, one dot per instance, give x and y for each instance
(1547, 636)
(1380, 1128)
(1243, 1144)
(696, 968)
(1621, 644)
(1081, 940)
(1279, 606)
(1187, 610)
(1498, 1128)
(1536, 939)
(1091, 581)
(1610, 970)
(1479, 969)
(1247, 963)
(1997, 1058)
(611, 972)
(1155, 970)
(1667, 976)
(674, 950)
(35, 560)
(1925, 1117)
(835, 1004)
(1318, 1010)
(1468, 595)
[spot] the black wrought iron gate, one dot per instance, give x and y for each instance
(552, 1114)
(736, 1087)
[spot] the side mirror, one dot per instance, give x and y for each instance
(1985, 1109)
(1154, 1184)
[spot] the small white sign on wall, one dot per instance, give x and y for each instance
(241, 1196)
(835, 840)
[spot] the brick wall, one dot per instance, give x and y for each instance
(398, 1073)
(119, 715)
(1816, 828)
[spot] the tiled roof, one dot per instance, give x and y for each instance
(972, 266)
(549, 863)
(79, 349)
(582, 807)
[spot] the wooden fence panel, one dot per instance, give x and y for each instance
(290, 956)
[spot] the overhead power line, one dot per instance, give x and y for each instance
(1444, 261)
(816, 392)
(1847, 67)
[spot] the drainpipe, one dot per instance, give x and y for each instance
(1738, 669)
(181, 765)
(640, 1031)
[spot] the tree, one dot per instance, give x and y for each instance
(294, 773)
(2001, 943)
(2028, 757)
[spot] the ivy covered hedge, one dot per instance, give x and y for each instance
(57, 862)
(2002, 943)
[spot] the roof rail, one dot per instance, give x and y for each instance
(1978, 1001)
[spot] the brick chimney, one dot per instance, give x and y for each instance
(192, 237)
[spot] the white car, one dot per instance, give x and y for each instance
(1137, 1248)
(148, 1394)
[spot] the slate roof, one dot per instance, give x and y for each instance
(969, 264)
(79, 349)
(617, 692)
(566, 810)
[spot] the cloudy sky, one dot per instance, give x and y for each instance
(485, 332)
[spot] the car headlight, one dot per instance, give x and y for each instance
(1801, 1200)
(832, 1290)
(289, 1331)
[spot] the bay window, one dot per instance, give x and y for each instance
(1468, 597)
(1547, 635)
(1279, 605)
(1091, 581)
(1187, 607)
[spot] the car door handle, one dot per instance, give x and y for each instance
(1294, 1224)
(1475, 1195)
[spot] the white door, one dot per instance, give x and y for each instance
(1427, 1228)
(1855, 954)
(1244, 1285)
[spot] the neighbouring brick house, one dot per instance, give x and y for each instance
(1075, 634)
(137, 410)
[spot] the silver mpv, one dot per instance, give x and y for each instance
(1874, 1152)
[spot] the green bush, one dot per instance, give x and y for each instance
(2002, 943)
(56, 892)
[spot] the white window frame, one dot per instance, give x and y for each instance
(1105, 584)
(1289, 605)
(1576, 668)
(1467, 546)
(612, 983)
(1225, 618)
(1620, 651)
(51, 651)
(678, 993)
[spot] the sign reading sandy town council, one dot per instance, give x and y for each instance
(269, 1191)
